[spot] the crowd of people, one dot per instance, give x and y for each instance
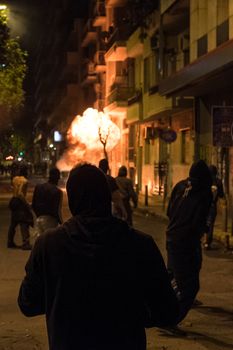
(99, 281)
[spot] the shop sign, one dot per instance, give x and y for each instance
(222, 117)
(168, 135)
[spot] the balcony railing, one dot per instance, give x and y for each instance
(89, 33)
(99, 14)
(118, 35)
(89, 73)
(120, 94)
(99, 61)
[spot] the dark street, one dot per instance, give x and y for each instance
(207, 327)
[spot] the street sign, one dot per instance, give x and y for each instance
(222, 117)
(168, 135)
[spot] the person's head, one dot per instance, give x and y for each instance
(213, 170)
(200, 172)
(103, 165)
(54, 175)
(88, 191)
(122, 171)
(23, 171)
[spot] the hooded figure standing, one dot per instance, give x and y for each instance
(187, 211)
(127, 191)
(47, 202)
(217, 192)
(98, 281)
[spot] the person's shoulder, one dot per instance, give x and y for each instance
(142, 238)
(51, 236)
(180, 186)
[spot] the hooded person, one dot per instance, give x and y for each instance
(217, 192)
(47, 203)
(118, 208)
(187, 212)
(99, 282)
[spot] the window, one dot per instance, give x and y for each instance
(146, 74)
(202, 45)
(222, 33)
(147, 151)
(185, 147)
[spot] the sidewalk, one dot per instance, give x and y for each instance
(157, 207)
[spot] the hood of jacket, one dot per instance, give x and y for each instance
(96, 230)
(200, 176)
(88, 192)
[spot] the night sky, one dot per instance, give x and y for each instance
(27, 19)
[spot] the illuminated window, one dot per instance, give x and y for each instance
(147, 151)
(185, 147)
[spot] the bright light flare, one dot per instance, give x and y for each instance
(87, 136)
(3, 7)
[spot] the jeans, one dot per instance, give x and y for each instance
(24, 228)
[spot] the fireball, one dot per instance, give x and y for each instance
(89, 137)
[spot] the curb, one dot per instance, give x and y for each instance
(224, 237)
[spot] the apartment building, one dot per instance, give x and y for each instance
(58, 94)
(207, 77)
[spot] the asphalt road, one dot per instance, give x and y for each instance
(207, 327)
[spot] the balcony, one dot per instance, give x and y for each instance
(89, 74)
(99, 61)
(89, 33)
(116, 46)
(120, 95)
(99, 14)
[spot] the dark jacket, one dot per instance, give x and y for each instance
(189, 206)
(99, 284)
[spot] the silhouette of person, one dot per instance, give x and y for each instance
(126, 188)
(217, 192)
(187, 212)
(47, 202)
(20, 211)
(98, 281)
(118, 208)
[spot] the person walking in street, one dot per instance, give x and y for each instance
(126, 188)
(98, 281)
(118, 208)
(20, 211)
(187, 212)
(217, 192)
(47, 203)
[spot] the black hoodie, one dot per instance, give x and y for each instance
(98, 282)
(189, 206)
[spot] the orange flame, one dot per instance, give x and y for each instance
(86, 137)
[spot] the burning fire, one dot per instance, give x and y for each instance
(89, 136)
